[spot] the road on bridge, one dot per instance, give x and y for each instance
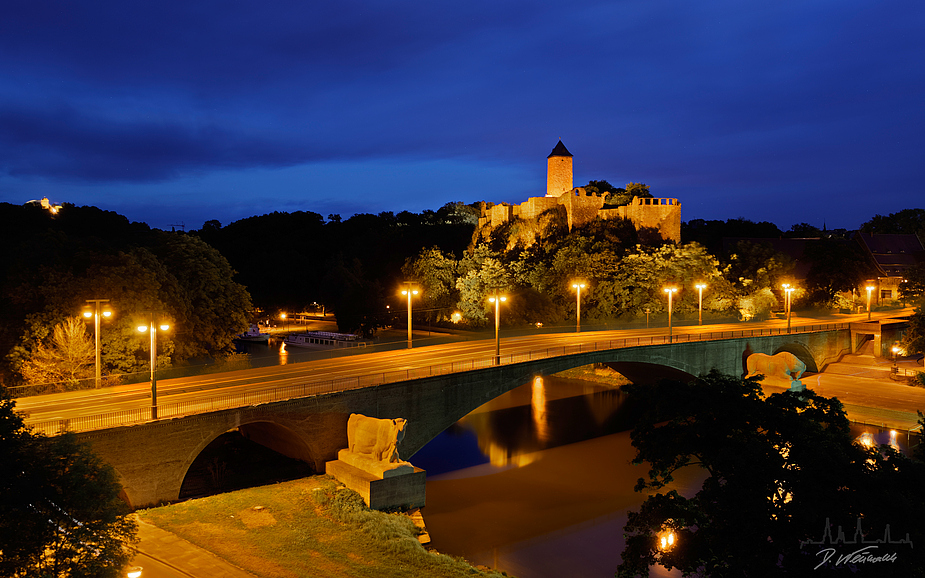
(201, 389)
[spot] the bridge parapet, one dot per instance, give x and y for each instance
(248, 398)
(152, 458)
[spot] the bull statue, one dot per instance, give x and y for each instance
(784, 366)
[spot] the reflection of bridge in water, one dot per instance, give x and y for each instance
(308, 421)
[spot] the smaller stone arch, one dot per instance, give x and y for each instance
(124, 494)
(275, 436)
(802, 352)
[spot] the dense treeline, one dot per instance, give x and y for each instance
(290, 260)
(203, 281)
(626, 270)
(50, 264)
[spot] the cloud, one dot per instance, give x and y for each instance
(739, 99)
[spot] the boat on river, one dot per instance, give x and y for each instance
(323, 340)
(253, 335)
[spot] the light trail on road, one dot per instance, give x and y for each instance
(201, 389)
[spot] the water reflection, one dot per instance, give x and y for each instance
(544, 414)
(543, 481)
(538, 403)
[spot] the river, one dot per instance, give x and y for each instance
(538, 481)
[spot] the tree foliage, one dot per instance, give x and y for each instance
(778, 469)
(435, 272)
(621, 197)
(836, 265)
(710, 233)
(51, 264)
(905, 222)
(357, 301)
(60, 512)
(67, 359)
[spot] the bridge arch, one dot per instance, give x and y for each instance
(642, 372)
(265, 432)
(802, 352)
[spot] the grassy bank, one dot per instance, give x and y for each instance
(302, 528)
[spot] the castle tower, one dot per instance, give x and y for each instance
(558, 171)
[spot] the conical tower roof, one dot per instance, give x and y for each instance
(559, 151)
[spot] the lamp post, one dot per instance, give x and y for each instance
(700, 287)
(670, 291)
(497, 299)
(283, 317)
(151, 328)
(95, 313)
(409, 292)
(578, 286)
(647, 317)
(870, 289)
(788, 290)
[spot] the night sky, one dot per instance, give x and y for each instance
(180, 112)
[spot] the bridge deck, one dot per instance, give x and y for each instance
(251, 391)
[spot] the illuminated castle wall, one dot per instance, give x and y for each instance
(582, 205)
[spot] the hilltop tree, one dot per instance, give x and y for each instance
(621, 197)
(60, 512)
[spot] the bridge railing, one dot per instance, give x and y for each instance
(283, 393)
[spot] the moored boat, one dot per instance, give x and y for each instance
(253, 334)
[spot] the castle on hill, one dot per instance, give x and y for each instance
(582, 206)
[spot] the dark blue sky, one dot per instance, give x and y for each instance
(172, 112)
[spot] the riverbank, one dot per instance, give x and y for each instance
(603, 375)
(305, 528)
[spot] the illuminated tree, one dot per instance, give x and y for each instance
(476, 286)
(436, 273)
(66, 360)
(642, 275)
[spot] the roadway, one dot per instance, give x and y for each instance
(71, 405)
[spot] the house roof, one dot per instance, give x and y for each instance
(559, 151)
(893, 253)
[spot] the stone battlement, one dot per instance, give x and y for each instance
(582, 206)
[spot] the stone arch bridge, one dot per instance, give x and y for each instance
(152, 459)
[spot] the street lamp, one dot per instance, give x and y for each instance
(788, 290)
(670, 291)
(282, 317)
(666, 540)
(869, 288)
(578, 286)
(409, 292)
(497, 299)
(151, 328)
(700, 287)
(95, 313)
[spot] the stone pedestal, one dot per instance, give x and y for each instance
(404, 491)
